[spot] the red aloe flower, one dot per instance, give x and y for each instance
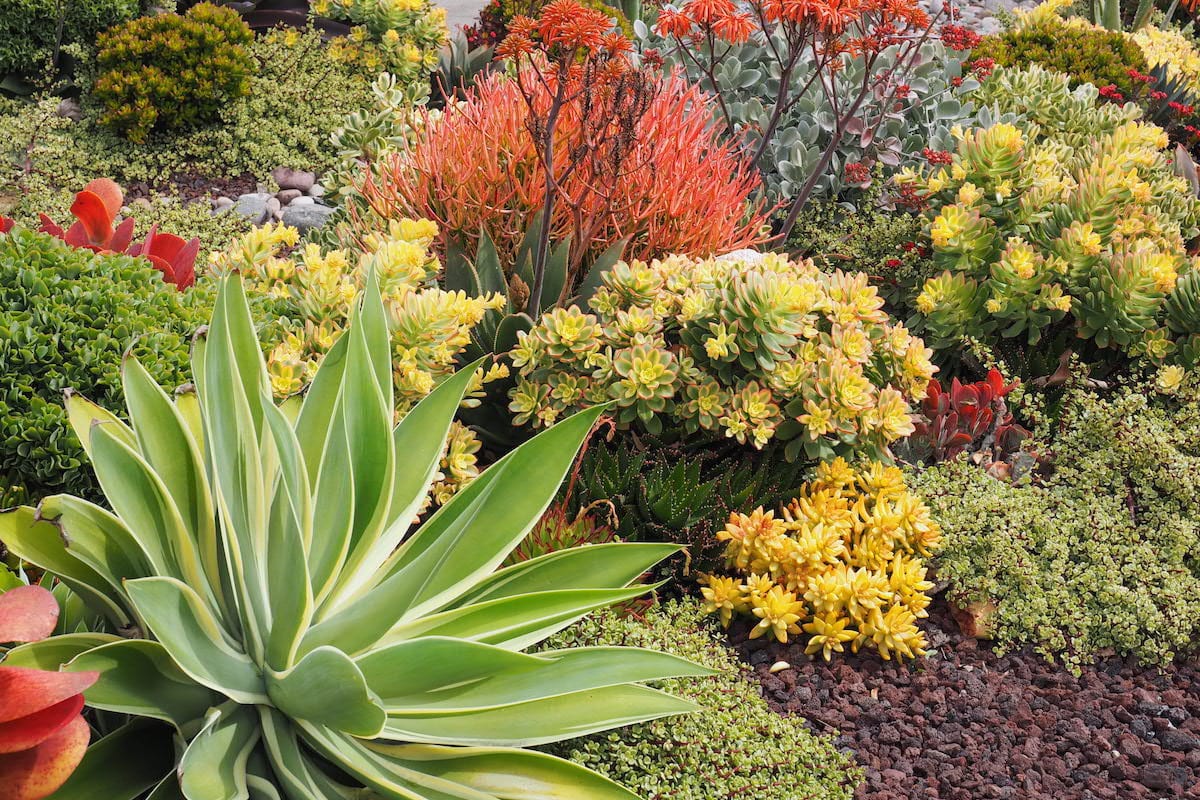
(43, 736)
(95, 208)
(170, 255)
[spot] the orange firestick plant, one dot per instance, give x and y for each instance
(605, 149)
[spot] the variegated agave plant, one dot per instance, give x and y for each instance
(268, 601)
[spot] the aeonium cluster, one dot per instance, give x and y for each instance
(1032, 231)
(316, 289)
(843, 563)
(748, 349)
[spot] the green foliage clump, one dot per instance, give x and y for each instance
(736, 748)
(1086, 54)
(1105, 554)
(29, 29)
(172, 71)
(67, 317)
(299, 94)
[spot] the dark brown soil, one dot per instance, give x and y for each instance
(967, 724)
(194, 186)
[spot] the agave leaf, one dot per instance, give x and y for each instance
(514, 622)
(40, 542)
(51, 654)
(83, 415)
(213, 766)
(108, 772)
(327, 688)
(541, 721)
(600, 566)
(100, 539)
(507, 774)
(437, 675)
(138, 677)
(188, 630)
(301, 778)
(167, 444)
(353, 487)
(139, 497)
(466, 539)
(288, 580)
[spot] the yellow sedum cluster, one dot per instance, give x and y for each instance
(1172, 49)
(1030, 229)
(403, 37)
(842, 563)
(315, 291)
(748, 349)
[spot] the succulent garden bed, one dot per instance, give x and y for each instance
(610, 400)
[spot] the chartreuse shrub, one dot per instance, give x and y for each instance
(1102, 556)
(280, 614)
(1177, 53)
(315, 291)
(1087, 54)
(170, 71)
(66, 318)
(747, 350)
(299, 94)
(1053, 240)
(30, 31)
(736, 749)
(843, 562)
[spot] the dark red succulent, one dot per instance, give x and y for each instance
(969, 417)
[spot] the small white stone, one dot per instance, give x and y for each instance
(303, 201)
(780, 666)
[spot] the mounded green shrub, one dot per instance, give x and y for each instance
(66, 318)
(1088, 55)
(1105, 556)
(172, 71)
(736, 747)
(29, 29)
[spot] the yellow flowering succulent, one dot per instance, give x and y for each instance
(740, 349)
(1032, 228)
(843, 562)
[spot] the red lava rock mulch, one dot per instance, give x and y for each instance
(968, 724)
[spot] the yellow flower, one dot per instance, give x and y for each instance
(724, 596)
(969, 194)
(829, 635)
(1170, 378)
(778, 612)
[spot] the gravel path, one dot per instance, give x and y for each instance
(966, 724)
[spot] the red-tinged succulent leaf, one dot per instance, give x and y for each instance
(164, 267)
(6, 224)
(109, 193)
(122, 236)
(95, 220)
(49, 226)
(38, 772)
(27, 614)
(28, 690)
(32, 730)
(185, 264)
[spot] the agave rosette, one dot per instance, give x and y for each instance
(281, 613)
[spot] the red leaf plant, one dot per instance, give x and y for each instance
(95, 210)
(969, 418)
(43, 735)
(6, 224)
(477, 168)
